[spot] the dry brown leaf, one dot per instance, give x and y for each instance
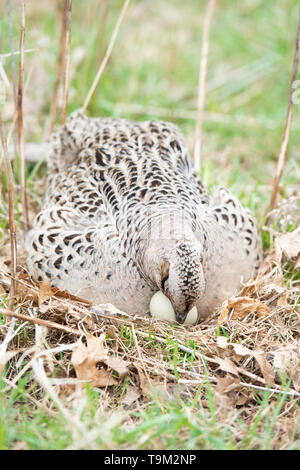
(267, 370)
(268, 263)
(132, 394)
(4, 264)
(229, 392)
(63, 294)
(45, 292)
(92, 363)
(118, 365)
(241, 350)
(282, 301)
(145, 385)
(25, 293)
(289, 244)
(2, 290)
(252, 286)
(241, 307)
(227, 365)
(222, 341)
(6, 356)
(296, 378)
(283, 359)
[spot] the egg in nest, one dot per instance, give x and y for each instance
(162, 309)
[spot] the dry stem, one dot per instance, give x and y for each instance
(13, 62)
(20, 117)
(39, 321)
(201, 85)
(107, 56)
(285, 139)
(66, 61)
(12, 228)
(58, 78)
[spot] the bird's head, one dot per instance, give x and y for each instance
(175, 268)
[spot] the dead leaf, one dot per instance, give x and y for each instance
(283, 359)
(222, 341)
(227, 366)
(118, 365)
(287, 360)
(267, 370)
(251, 286)
(6, 356)
(63, 294)
(229, 392)
(92, 363)
(45, 292)
(283, 300)
(296, 378)
(25, 293)
(2, 290)
(241, 307)
(145, 385)
(241, 350)
(132, 394)
(289, 244)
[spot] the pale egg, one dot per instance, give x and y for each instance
(162, 309)
(192, 317)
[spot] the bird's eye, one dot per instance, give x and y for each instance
(164, 283)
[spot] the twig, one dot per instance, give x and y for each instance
(11, 43)
(139, 351)
(20, 117)
(285, 139)
(12, 54)
(59, 68)
(291, 393)
(106, 57)
(66, 61)
(15, 116)
(34, 151)
(102, 24)
(201, 85)
(12, 228)
(39, 321)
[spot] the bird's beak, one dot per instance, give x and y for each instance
(180, 317)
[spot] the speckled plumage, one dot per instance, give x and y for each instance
(126, 215)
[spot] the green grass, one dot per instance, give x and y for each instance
(163, 424)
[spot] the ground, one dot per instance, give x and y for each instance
(232, 382)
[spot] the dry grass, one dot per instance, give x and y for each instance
(238, 371)
(202, 83)
(285, 139)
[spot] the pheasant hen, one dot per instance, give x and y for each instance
(125, 215)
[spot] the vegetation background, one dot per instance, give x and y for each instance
(153, 74)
